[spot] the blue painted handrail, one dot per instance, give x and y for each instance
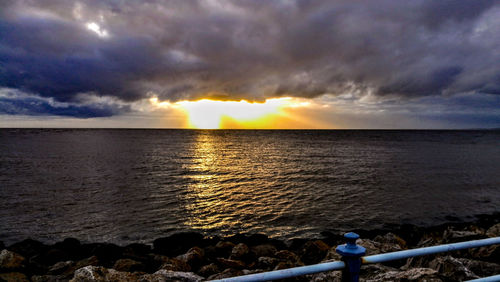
(352, 257)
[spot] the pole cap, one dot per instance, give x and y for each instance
(350, 249)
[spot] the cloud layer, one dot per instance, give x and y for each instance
(181, 49)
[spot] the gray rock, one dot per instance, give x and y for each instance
(391, 238)
(90, 273)
(480, 268)
(453, 236)
(493, 231)
(10, 260)
(229, 272)
(452, 268)
(413, 274)
(239, 251)
(267, 262)
(168, 275)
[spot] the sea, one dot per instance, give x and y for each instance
(133, 185)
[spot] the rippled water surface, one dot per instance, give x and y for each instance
(127, 186)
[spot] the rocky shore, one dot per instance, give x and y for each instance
(190, 256)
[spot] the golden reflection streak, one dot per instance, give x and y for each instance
(210, 205)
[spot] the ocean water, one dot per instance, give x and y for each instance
(126, 186)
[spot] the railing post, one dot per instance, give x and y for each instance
(351, 255)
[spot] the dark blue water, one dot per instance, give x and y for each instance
(127, 186)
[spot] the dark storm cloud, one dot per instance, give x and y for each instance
(249, 49)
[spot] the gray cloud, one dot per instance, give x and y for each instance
(249, 49)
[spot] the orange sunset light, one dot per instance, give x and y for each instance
(214, 114)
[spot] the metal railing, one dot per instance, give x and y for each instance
(353, 257)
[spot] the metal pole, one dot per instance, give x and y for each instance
(429, 250)
(351, 255)
(487, 279)
(287, 273)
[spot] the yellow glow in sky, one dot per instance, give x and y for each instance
(211, 114)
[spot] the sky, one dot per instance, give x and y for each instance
(250, 64)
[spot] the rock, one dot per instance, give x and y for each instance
(231, 263)
(11, 261)
(480, 268)
(229, 272)
(224, 248)
(391, 238)
(168, 275)
(90, 261)
(331, 276)
(61, 267)
(314, 251)
(414, 274)
(175, 264)
(239, 251)
(209, 269)
(13, 277)
(454, 236)
(452, 269)
(267, 262)
(50, 278)
(266, 250)
(488, 253)
(285, 255)
(128, 265)
(101, 274)
(28, 248)
(493, 231)
(194, 257)
(2, 246)
(177, 243)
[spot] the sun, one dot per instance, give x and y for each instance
(215, 114)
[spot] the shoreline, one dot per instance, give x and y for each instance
(191, 256)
